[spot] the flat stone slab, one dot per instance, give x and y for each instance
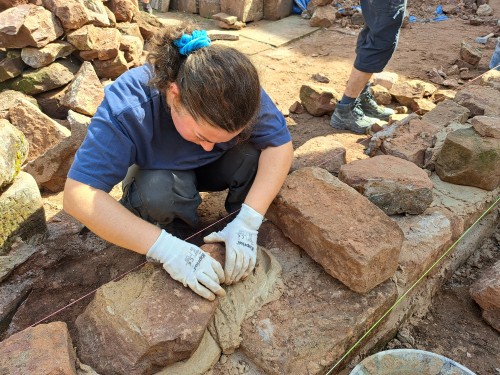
(278, 33)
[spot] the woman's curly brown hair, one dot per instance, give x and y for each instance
(217, 83)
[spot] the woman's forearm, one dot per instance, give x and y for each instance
(274, 165)
(107, 218)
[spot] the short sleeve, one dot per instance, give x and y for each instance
(270, 129)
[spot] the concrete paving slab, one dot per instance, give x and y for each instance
(278, 33)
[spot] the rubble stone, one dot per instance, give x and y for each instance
(40, 57)
(469, 159)
(394, 185)
(324, 152)
(323, 16)
(487, 126)
(470, 54)
(51, 168)
(21, 209)
(39, 129)
(85, 93)
(479, 100)
(13, 152)
(410, 142)
(486, 292)
(11, 65)
(28, 25)
(385, 79)
(445, 113)
(381, 94)
(71, 13)
(318, 100)
(44, 349)
(49, 77)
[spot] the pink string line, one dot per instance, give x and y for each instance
(202, 230)
(123, 274)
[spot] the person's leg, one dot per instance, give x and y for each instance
(160, 196)
(384, 19)
(375, 46)
(235, 171)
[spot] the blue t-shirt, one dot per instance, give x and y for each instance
(133, 126)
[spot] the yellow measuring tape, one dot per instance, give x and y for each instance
(411, 287)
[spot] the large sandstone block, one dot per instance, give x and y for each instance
(394, 185)
(486, 292)
(469, 159)
(349, 236)
(142, 323)
(44, 349)
(427, 237)
(13, 152)
(432, 153)
(245, 10)
(21, 210)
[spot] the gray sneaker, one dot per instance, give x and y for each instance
(351, 117)
(372, 109)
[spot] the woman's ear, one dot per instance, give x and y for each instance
(173, 94)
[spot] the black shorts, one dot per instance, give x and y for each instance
(379, 38)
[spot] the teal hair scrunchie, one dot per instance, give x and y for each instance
(189, 43)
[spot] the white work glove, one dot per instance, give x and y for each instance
(189, 264)
(240, 236)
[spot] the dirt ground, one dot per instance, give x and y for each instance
(454, 326)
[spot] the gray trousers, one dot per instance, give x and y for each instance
(160, 196)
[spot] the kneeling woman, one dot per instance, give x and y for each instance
(193, 119)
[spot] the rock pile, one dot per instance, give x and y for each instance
(54, 59)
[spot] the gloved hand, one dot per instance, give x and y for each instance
(189, 264)
(240, 236)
